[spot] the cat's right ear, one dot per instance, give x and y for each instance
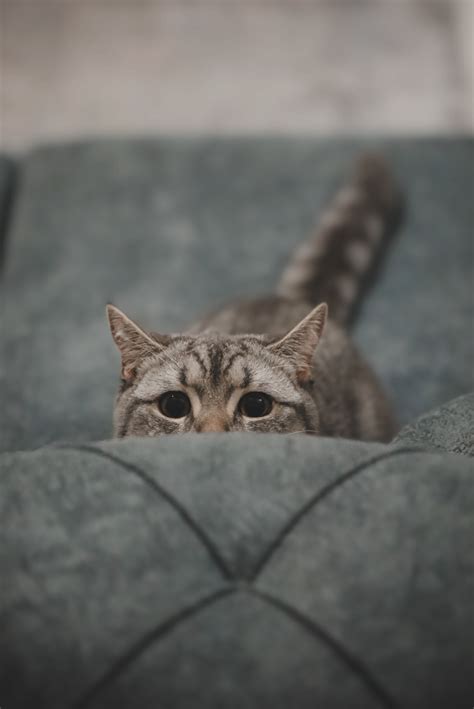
(134, 344)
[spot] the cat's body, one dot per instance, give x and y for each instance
(268, 365)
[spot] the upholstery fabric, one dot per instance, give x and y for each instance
(167, 229)
(245, 572)
(449, 428)
(6, 189)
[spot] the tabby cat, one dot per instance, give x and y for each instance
(275, 364)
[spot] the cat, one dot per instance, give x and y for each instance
(274, 364)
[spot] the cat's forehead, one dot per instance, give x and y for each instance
(215, 363)
(218, 358)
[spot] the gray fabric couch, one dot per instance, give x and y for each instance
(7, 180)
(230, 571)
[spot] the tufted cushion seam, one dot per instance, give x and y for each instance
(146, 641)
(182, 511)
(165, 627)
(316, 498)
(317, 631)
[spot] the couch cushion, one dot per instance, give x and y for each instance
(235, 571)
(169, 228)
(7, 172)
(449, 428)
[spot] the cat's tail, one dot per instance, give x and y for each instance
(336, 264)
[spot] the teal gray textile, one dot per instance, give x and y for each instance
(167, 229)
(7, 173)
(237, 571)
(449, 428)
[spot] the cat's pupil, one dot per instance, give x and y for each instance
(174, 404)
(255, 404)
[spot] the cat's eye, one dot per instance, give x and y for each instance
(174, 404)
(255, 404)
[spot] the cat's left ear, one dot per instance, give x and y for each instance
(133, 343)
(300, 343)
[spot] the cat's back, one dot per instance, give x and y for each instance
(271, 315)
(349, 396)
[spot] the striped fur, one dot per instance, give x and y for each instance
(280, 346)
(215, 371)
(335, 264)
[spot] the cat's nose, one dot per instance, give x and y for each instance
(214, 423)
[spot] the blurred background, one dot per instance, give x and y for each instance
(103, 67)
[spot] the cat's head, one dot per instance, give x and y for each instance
(214, 382)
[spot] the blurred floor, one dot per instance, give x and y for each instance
(75, 67)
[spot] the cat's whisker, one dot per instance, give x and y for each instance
(308, 430)
(168, 357)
